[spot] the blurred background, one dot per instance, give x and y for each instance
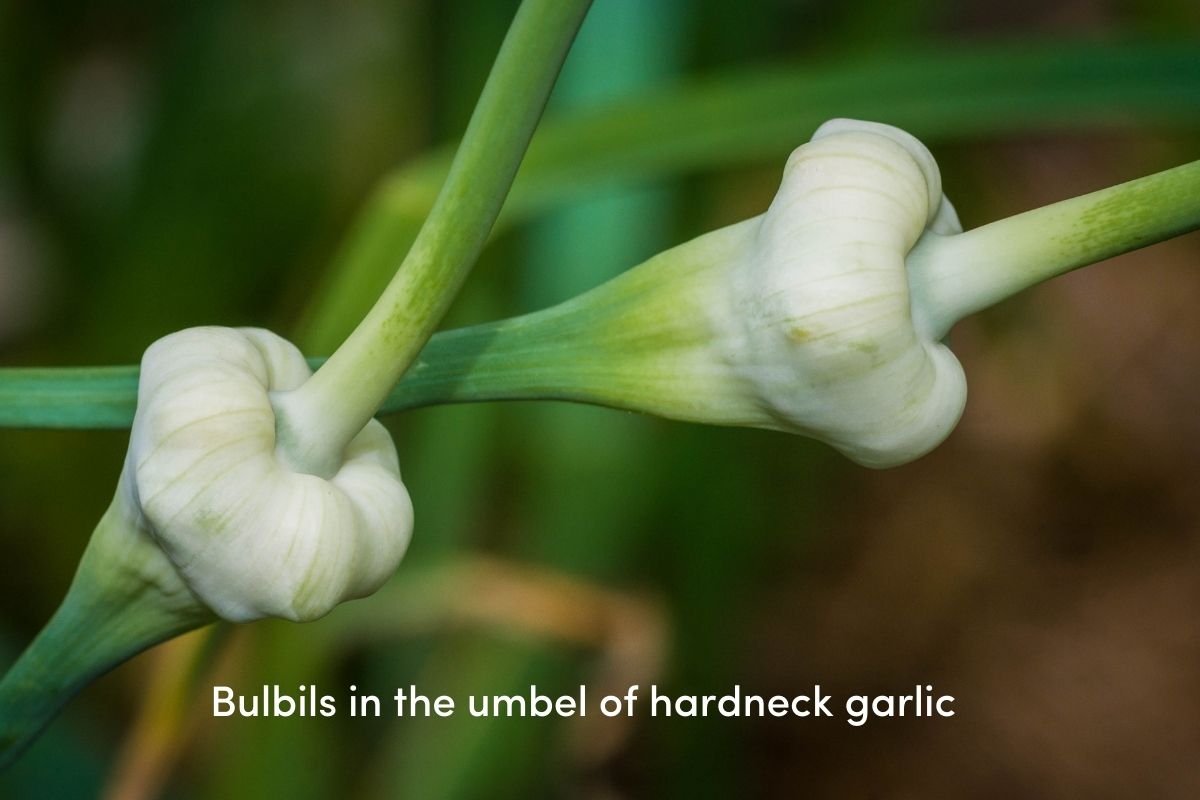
(167, 164)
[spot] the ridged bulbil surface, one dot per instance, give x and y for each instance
(827, 339)
(248, 535)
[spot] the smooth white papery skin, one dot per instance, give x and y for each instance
(826, 338)
(249, 536)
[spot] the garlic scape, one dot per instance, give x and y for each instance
(798, 320)
(825, 316)
(126, 596)
(211, 521)
(254, 487)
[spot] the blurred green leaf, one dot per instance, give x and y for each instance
(936, 94)
(985, 91)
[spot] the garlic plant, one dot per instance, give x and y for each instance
(253, 487)
(798, 320)
(825, 316)
(683, 335)
(211, 520)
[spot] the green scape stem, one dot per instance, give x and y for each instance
(119, 604)
(954, 276)
(640, 342)
(96, 398)
(317, 420)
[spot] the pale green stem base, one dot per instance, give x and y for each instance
(952, 277)
(641, 342)
(121, 602)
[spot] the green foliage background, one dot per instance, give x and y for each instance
(166, 165)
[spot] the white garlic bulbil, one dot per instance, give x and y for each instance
(249, 535)
(821, 326)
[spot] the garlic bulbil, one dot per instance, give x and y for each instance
(802, 319)
(250, 534)
(253, 487)
(819, 315)
(212, 519)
